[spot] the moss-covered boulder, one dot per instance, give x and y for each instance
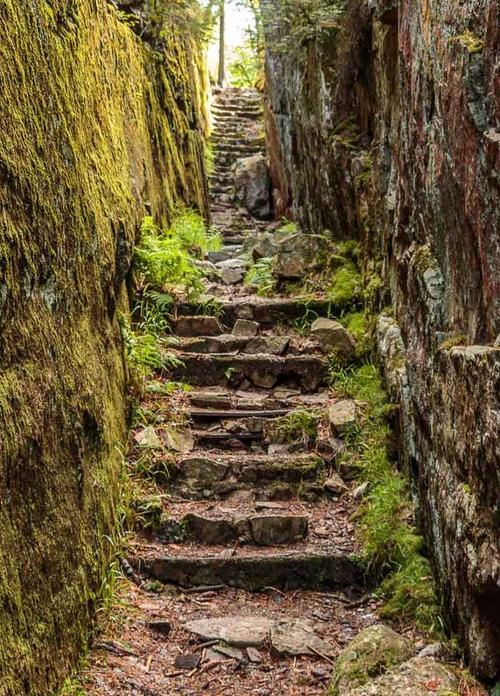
(373, 651)
(420, 676)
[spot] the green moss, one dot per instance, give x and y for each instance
(346, 287)
(452, 341)
(468, 40)
(92, 134)
(392, 549)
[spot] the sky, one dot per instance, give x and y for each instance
(238, 20)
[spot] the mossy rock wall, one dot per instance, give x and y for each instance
(386, 123)
(96, 130)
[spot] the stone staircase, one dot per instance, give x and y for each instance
(238, 133)
(247, 560)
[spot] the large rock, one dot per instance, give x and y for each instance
(297, 637)
(299, 254)
(332, 337)
(421, 676)
(238, 631)
(342, 415)
(253, 185)
(372, 652)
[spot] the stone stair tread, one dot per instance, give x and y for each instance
(211, 413)
(319, 565)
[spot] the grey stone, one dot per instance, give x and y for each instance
(254, 656)
(274, 530)
(412, 678)
(373, 651)
(332, 337)
(238, 631)
(294, 638)
(274, 345)
(299, 254)
(197, 326)
(179, 440)
(228, 651)
(334, 484)
(342, 415)
(244, 327)
(148, 438)
(252, 184)
(188, 661)
(202, 470)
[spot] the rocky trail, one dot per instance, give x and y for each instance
(243, 578)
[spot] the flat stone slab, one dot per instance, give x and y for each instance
(294, 638)
(237, 631)
(197, 326)
(286, 638)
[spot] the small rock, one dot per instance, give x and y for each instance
(163, 627)
(228, 651)
(244, 327)
(359, 491)
(342, 415)
(373, 651)
(320, 673)
(148, 439)
(432, 650)
(254, 656)
(295, 638)
(332, 337)
(188, 661)
(334, 484)
(266, 380)
(179, 440)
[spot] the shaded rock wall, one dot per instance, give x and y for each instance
(389, 126)
(96, 130)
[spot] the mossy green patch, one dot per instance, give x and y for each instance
(96, 129)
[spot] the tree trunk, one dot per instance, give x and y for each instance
(222, 44)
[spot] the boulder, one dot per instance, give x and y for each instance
(420, 676)
(334, 484)
(299, 254)
(374, 650)
(252, 184)
(231, 271)
(332, 337)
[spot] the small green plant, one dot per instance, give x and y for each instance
(145, 350)
(392, 548)
(166, 260)
(346, 288)
(298, 426)
(260, 276)
(72, 687)
(246, 66)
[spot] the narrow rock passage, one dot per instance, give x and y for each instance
(243, 581)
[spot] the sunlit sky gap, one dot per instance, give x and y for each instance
(238, 20)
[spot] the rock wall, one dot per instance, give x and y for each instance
(96, 129)
(388, 123)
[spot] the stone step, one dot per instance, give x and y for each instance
(228, 251)
(261, 370)
(228, 343)
(224, 440)
(201, 469)
(229, 414)
(251, 112)
(267, 311)
(240, 150)
(314, 566)
(226, 524)
(262, 400)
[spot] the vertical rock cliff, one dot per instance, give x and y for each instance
(96, 129)
(385, 126)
